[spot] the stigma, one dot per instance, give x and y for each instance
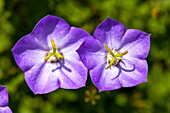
(113, 56)
(52, 57)
(109, 57)
(54, 54)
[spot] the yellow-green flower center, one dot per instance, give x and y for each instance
(53, 55)
(113, 57)
(110, 57)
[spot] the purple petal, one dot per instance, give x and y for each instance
(73, 39)
(47, 77)
(30, 50)
(91, 53)
(5, 109)
(136, 42)
(28, 53)
(3, 96)
(73, 72)
(51, 27)
(105, 79)
(110, 32)
(133, 72)
(42, 78)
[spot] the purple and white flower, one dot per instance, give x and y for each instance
(4, 100)
(48, 56)
(116, 56)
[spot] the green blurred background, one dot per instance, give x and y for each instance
(18, 18)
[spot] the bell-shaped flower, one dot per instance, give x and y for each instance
(116, 56)
(48, 56)
(4, 100)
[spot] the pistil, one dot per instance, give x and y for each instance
(116, 57)
(54, 54)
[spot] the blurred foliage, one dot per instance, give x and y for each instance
(91, 96)
(18, 17)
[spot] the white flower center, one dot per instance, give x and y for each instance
(109, 57)
(53, 55)
(53, 58)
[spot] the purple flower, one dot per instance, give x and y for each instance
(4, 100)
(49, 58)
(116, 56)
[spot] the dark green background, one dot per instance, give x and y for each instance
(18, 18)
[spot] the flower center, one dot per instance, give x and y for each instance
(113, 57)
(110, 57)
(53, 54)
